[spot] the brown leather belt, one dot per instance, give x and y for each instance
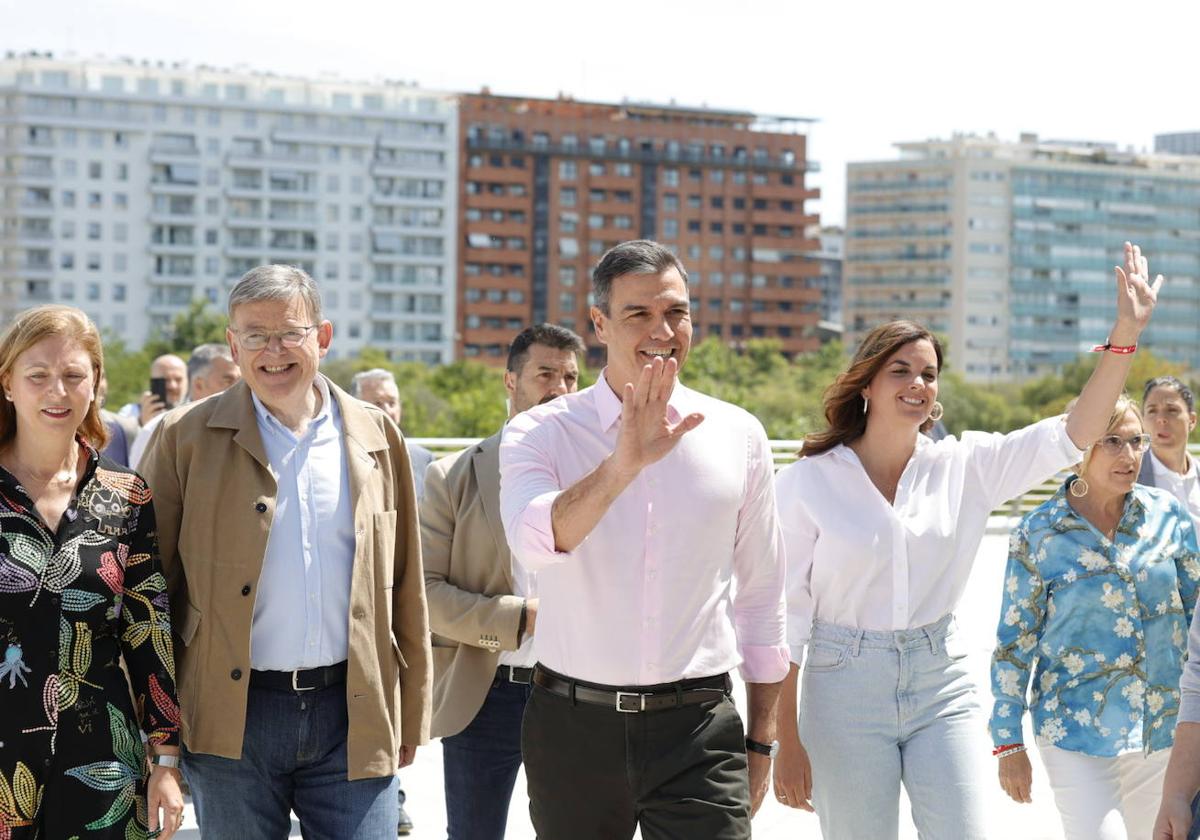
(682, 693)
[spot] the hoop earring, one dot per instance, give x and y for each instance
(937, 412)
(1079, 487)
(866, 402)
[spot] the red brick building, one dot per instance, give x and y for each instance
(547, 186)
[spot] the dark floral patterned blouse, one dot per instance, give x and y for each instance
(73, 603)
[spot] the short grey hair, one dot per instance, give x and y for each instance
(203, 356)
(372, 375)
(637, 256)
(276, 282)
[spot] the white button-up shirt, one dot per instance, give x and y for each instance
(301, 612)
(682, 577)
(1185, 488)
(857, 561)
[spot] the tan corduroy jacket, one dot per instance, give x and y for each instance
(214, 498)
(468, 581)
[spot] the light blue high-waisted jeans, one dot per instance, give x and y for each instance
(881, 708)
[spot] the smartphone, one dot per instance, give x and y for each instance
(158, 387)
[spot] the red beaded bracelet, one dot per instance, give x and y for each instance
(1003, 748)
(1113, 348)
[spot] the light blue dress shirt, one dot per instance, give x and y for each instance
(1100, 625)
(301, 613)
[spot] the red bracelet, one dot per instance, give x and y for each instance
(1113, 348)
(1005, 748)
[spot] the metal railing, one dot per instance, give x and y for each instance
(784, 453)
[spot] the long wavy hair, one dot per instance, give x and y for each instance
(52, 321)
(844, 400)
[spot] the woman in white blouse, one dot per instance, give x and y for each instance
(1169, 410)
(881, 527)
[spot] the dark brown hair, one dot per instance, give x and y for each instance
(843, 399)
(51, 321)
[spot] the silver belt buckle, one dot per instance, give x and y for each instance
(296, 687)
(639, 706)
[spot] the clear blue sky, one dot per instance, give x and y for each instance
(871, 72)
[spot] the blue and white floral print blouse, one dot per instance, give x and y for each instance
(1102, 624)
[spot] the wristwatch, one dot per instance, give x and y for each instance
(171, 761)
(769, 750)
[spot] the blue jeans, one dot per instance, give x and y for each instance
(481, 765)
(293, 759)
(881, 709)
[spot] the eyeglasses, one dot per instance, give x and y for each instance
(1115, 444)
(259, 339)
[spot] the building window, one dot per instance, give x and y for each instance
(671, 177)
(567, 170)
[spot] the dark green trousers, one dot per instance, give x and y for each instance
(597, 774)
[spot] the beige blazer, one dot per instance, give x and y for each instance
(214, 498)
(468, 581)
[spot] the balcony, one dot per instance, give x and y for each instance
(680, 157)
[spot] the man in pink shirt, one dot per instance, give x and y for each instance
(648, 512)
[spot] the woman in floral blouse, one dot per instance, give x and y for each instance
(1100, 589)
(80, 589)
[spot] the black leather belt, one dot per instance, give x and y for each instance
(513, 674)
(306, 679)
(682, 693)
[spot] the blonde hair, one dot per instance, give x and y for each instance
(1124, 406)
(52, 321)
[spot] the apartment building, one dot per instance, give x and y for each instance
(1008, 248)
(547, 185)
(132, 189)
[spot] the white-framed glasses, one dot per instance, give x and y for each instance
(259, 339)
(1114, 444)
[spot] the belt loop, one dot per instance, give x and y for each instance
(571, 692)
(678, 695)
(856, 645)
(933, 640)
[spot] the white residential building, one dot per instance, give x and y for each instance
(1008, 248)
(131, 190)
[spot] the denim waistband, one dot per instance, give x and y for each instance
(929, 635)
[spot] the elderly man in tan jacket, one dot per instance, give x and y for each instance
(482, 609)
(288, 531)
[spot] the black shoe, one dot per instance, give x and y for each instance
(405, 828)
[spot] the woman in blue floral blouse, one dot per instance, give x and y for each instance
(1100, 589)
(80, 592)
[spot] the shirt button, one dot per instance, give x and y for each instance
(246, 589)
(261, 507)
(236, 673)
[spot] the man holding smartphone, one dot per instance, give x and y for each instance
(168, 385)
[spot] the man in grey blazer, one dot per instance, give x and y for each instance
(483, 608)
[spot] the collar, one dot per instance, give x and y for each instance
(1135, 506)
(264, 414)
(1161, 470)
(608, 404)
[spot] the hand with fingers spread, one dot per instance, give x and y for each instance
(793, 774)
(1136, 296)
(1016, 776)
(646, 434)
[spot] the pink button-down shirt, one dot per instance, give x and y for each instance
(682, 577)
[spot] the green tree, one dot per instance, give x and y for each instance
(189, 329)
